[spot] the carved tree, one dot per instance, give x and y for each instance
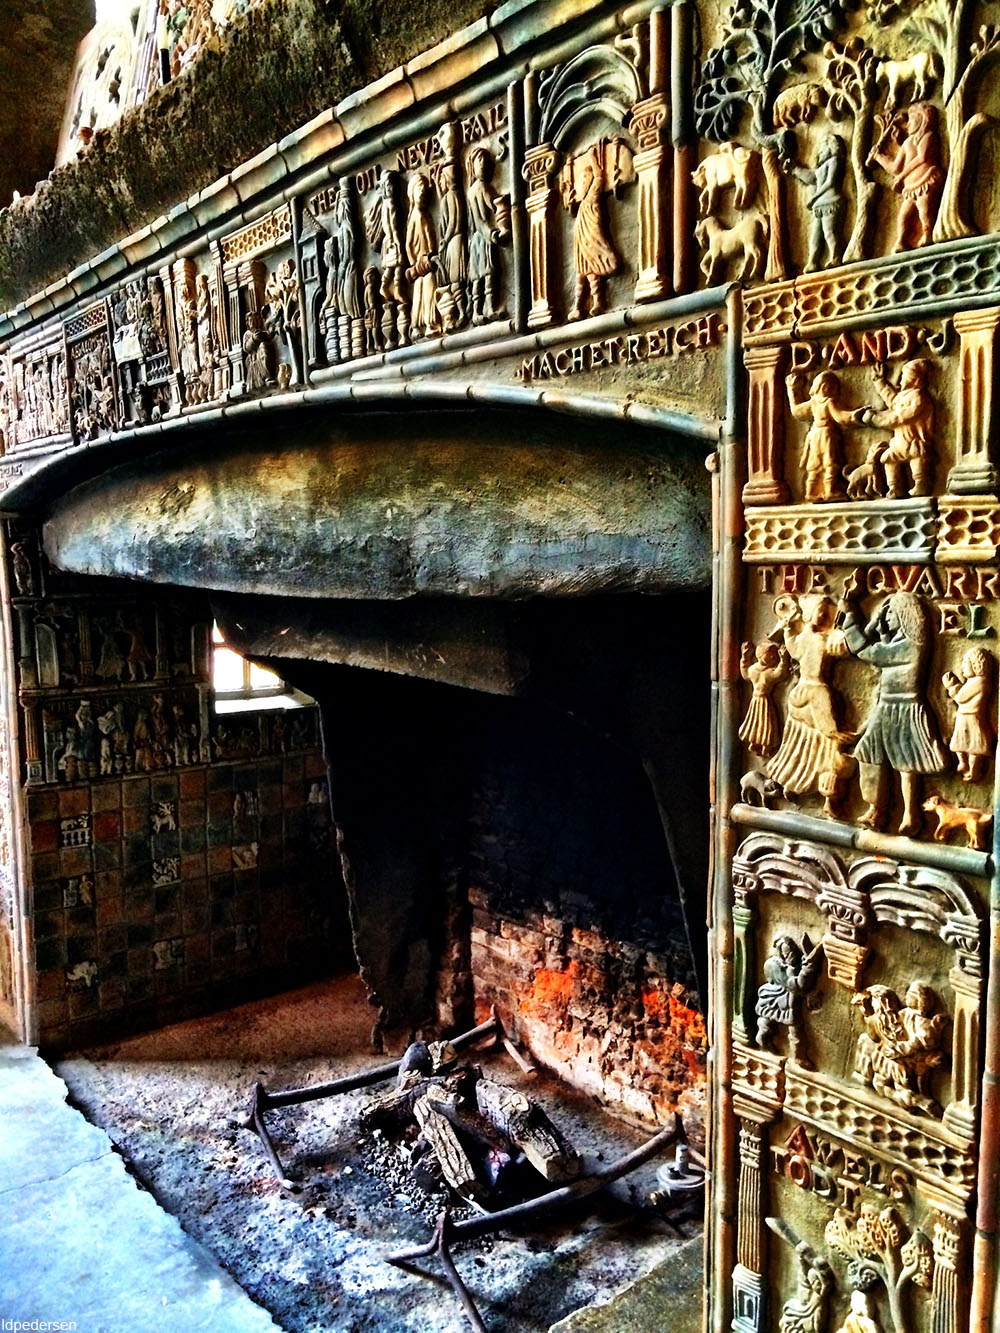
(850, 72)
(877, 1249)
(762, 41)
(942, 25)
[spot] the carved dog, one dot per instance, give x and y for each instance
(966, 817)
(757, 788)
(915, 76)
(866, 481)
(731, 165)
(746, 242)
(798, 105)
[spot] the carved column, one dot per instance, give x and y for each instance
(742, 966)
(748, 1281)
(26, 661)
(684, 140)
(960, 1114)
(765, 427)
(649, 118)
(944, 1292)
(845, 944)
(975, 472)
(540, 167)
(32, 757)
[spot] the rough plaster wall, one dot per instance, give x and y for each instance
(277, 68)
(38, 39)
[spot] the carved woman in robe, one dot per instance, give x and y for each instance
(421, 251)
(594, 256)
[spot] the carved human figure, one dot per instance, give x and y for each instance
(383, 231)
(285, 321)
(342, 269)
(901, 1044)
(860, 1318)
(88, 744)
(806, 1312)
(764, 666)
(900, 732)
(790, 973)
(373, 314)
(973, 735)
(187, 329)
(489, 228)
(594, 255)
(451, 293)
(822, 450)
(908, 458)
(421, 252)
(910, 151)
(825, 201)
(24, 581)
(811, 755)
(138, 658)
(259, 367)
(206, 333)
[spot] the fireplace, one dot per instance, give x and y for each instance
(521, 840)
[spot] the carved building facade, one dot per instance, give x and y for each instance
(778, 259)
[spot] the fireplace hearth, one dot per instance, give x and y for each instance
(316, 1257)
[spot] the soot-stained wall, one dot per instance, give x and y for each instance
(454, 805)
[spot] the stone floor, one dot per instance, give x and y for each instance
(80, 1241)
(170, 1102)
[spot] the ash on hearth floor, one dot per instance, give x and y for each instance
(170, 1101)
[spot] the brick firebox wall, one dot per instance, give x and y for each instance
(576, 932)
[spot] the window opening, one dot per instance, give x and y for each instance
(240, 685)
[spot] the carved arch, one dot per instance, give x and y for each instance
(598, 81)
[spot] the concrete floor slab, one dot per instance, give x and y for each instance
(668, 1297)
(80, 1241)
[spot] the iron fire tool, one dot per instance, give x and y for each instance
(263, 1100)
(447, 1232)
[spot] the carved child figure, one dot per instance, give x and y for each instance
(910, 151)
(908, 458)
(822, 459)
(763, 666)
(790, 972)
(974, 735)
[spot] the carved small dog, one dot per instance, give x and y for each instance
(757, 788)
(866, 481)
(966, 817)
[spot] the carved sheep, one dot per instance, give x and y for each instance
(798, 105)
(746, 242)
(913, 77)
(731, 165)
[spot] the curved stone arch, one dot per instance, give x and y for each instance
(789, 866)
(792, 867)
(920, 898)
(599, 80)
